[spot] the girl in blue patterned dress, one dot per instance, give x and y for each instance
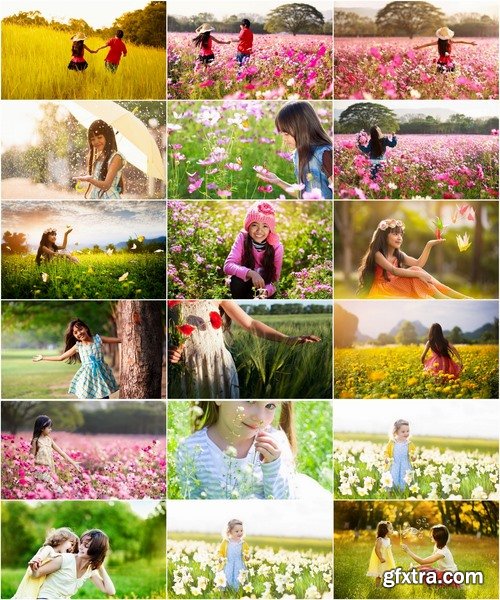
(233, 553)
(94, 379)
(399, 455)
(105, 163)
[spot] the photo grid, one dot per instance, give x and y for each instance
(249, 299)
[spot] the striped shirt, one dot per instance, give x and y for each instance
(205, 471)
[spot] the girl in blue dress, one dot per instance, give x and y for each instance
(399, 454)
(105, 164)
(94, 379)
(233, 553)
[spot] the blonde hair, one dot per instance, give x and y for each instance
(210, 414)
(397, 426)
(232, 524)
(58, 536)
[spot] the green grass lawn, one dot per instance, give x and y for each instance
(443, 443)
(140, 579)
(95, 277)
(22, 378)
(470, 554)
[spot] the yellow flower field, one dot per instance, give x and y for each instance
(396, 372)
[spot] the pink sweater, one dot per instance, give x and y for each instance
(233, 266)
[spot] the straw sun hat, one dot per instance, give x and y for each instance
(78, 37)
(443, 33)
(204, 28)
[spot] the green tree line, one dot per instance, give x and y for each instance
(138, 418)
(24, 528)
(146, 27)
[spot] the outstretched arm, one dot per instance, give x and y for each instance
(426, 349)
(103, 581)
(115, 165)
(422, 259)
(464, 42)
(259, 329)
(273, 179)
(89, 50)
(65, 456)
(64, 356)
(110, 340)
(424, 46)
(428, 560)
(220, 41)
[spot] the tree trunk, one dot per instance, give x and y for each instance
(139, 325)
(344, 218)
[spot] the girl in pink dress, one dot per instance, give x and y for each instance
(255, 260)
(441, 362)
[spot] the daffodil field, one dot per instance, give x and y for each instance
(121, 275)
(361, 471)
(396, 372)
(194, 569)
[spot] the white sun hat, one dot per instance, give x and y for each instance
(443, 33)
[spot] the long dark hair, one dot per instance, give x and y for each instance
(247, 260)
(100, 127)
(98, 547)
(299, 119)
(201, 40)
(376, 140)
(45, 242)
(367, 266)
(41, 422)
(439, 344)
(444, 46)
(70, 340)
(77, 48)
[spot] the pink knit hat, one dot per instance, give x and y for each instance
(263, 212)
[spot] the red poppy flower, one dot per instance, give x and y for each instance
(172, 303)
(185, 329)
(216, 320)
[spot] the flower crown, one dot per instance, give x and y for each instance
(50, 230)
(391, 224)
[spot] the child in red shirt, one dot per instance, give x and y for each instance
(116, 49)
(245, 42)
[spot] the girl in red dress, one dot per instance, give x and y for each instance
(445, 62)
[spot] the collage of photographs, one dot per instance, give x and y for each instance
(249, 299)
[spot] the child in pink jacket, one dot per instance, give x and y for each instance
(255, 260)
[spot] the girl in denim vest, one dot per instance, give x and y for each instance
(303, 132)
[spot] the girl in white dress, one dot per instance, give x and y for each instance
(210, 370)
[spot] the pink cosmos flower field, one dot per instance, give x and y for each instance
(113, 466)
(389, 68)
(282, 66)
(433, 166)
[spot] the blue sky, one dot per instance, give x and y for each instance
(379, 316)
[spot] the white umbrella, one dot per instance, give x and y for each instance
(133, 138)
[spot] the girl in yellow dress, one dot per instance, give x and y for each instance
(381, 559)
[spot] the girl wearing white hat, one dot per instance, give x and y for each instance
(204, 40)
(78, 62)
(444, 35)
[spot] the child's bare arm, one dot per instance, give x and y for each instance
(65, 456)
(378, 550)
(424, 46)
(110, 340)
(426, 349)
(33, 447)
(68, 354)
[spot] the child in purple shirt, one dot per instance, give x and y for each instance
(255, 260)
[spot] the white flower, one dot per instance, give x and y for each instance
(415, 94)
(312, 592)
(220, 579)
(290, 82)
(386, 480)
(478, 493)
